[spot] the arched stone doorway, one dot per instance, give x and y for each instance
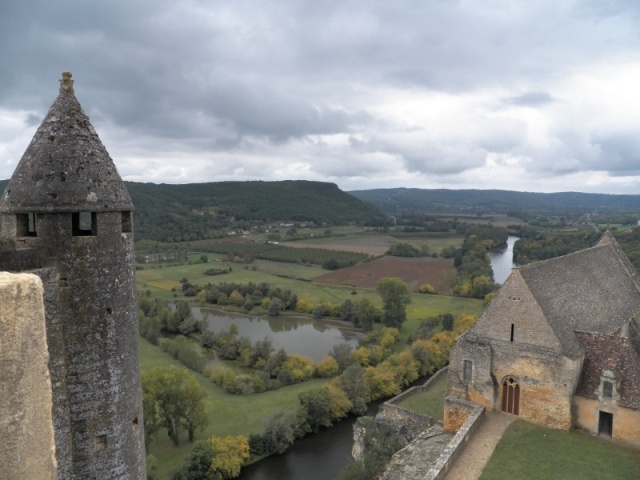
(510, 396)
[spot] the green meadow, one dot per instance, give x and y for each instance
(228, 414)
(531, 452)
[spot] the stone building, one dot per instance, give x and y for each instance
(559, 345)
(66, 216)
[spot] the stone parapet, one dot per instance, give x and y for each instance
(474, 418)
(27, 449)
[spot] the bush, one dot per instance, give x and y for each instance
(182, 350)
(426, 288)
(327, 368)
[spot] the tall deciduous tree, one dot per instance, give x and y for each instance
(395, 296)
(174, 399)
(365, 314)
(354, 384)
(315, 406)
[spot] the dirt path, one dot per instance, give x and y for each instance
(477, 452)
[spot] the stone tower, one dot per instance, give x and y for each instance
(66, 216)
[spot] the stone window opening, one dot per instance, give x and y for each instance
(100, 443)
(26, 225)
(513, 329)
(84, 224)
(126, 222)
(607, 390)
(135, 424)
(467, 372)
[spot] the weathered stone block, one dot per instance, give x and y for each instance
(27, 449)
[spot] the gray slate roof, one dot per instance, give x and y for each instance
(65, 167)
(594, 290)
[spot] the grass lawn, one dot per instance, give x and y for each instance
(228, 414)
(429, 402)
(531, 452)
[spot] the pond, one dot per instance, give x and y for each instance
(313, 338)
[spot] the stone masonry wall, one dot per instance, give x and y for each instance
(512, 339)
(473, 417)
(410, 422)
(407, 423)
(27, 449)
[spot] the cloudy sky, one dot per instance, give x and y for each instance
(520, 95)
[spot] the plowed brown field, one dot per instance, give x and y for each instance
(437, 272)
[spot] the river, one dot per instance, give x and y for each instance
(320, 456)
(502, 261)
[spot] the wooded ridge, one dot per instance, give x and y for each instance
(396, 200)
(168, 212)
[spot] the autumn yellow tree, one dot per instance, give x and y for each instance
(300, 367)
(229, 455)
(338, 401)
(327, 368)
(382, 381)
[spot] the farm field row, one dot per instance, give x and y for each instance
(437, 272)
(376, 244)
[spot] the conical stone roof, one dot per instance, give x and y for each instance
(65, 167)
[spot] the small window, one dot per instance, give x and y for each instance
(26, 225)
(468, 370)
(126, 222)
(84, 224)
(513, 329)
(607, 390)
(100, 443)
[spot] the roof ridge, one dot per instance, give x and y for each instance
(547, 260)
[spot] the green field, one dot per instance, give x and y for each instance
(531, 452)
(431, 401)
(160, 280)
(228, 414)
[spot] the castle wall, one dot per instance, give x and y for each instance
(66, 216)
(92, 334)
(626, 421)
(546, 380)
(513, 340)
(27, 449)
(514, 316)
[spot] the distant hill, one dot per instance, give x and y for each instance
(193, 211)
(396, 200)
